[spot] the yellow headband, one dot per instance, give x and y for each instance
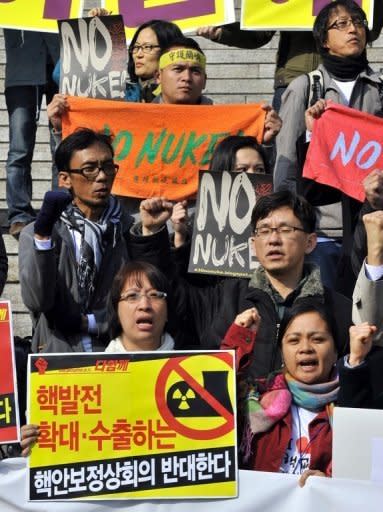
(183, 55)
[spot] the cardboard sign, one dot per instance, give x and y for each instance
(168, 432)
(93, 57)
(42, 15)
(345, 147)
(9, 412)
(221, 242)
(161, 148)
(187, 14)
(288, 14)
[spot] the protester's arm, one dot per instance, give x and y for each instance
(3, 264)
(180, 220)
(368, 292)
(273, 124)
(37, 255)
(354, 374)
(232, 35)
(55, 110)
(241, 337)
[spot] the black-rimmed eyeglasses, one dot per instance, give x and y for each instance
(90, 172)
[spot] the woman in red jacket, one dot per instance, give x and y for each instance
(287, 416)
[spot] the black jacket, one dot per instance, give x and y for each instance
(208, 311)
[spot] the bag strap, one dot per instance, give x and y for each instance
(315, 87)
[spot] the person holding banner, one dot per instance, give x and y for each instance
(287, 416)
(182, 74)
(341, 33)
(283, 227)
(70, 255)
(144, 52)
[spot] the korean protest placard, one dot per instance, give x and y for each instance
(93, 57)
(344, 149)
(288, 14)
(135, 425)
(187, 14)
(221, 242)
(9, 414)
(161, 148)
(41, 16)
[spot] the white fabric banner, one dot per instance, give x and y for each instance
(266, 492)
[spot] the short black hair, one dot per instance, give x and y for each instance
(302, 209)
(322, 20)
(183, 42)
(165, 31)
(82, 138)
(224, 155)
(310, 305)
(136, 270)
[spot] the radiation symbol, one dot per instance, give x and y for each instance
(182, 396)
(183, 400)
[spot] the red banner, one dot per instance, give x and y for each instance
(9, 417)
(346, 146)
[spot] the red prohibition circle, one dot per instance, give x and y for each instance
(174, 365)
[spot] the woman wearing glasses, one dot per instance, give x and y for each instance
(139, 305)
(144, 53)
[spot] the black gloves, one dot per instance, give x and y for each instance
(54, 204)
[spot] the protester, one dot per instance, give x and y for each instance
(297, 52)
(183, 77)
(144, 53)
(182, 74)
(341, 33)
(70, 255)
(239, 153)
(283, 228)
(31, 57)
(140, 303)
(287, 416)
(234, 153)
(139, 300)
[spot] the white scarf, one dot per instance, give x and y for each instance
(167, 343)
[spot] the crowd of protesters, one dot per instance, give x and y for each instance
(95, 279)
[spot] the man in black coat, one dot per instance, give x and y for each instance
(284, 232)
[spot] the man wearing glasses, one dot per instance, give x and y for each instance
(70, 255)
(341, 34)
(283, 226)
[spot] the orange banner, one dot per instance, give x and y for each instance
(161, 148)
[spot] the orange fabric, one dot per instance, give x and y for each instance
(161, 148)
